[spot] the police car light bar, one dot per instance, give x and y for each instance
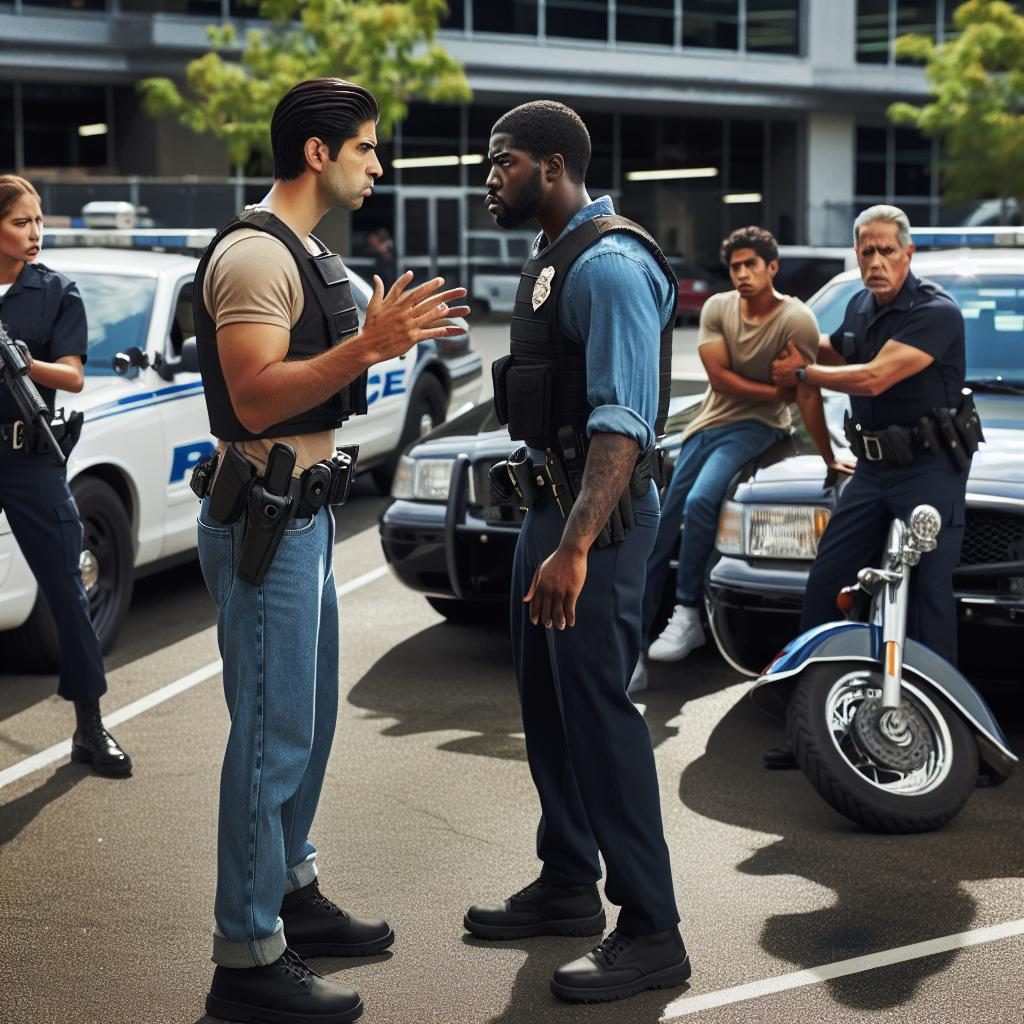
(192, 240)
(976, 238)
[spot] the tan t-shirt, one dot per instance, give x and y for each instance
(752, 347)
(252, 279)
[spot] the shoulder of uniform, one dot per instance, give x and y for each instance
(248, 242)
(47, 275)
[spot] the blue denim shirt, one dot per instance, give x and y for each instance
(614, 302)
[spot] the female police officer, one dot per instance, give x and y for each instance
(44, 310)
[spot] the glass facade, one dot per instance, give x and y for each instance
(899, 166)
(879, 22)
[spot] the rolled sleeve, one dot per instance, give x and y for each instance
(70, 334)
(615, 307)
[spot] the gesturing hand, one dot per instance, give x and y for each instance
(555, 589)
(402, 318)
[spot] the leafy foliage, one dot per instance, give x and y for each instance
(977, 109)
(389, 48)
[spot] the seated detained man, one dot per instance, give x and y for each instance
(743, 414)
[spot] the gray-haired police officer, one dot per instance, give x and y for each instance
(43, 309)
(899, 354)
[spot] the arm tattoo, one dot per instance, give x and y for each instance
(610, 461)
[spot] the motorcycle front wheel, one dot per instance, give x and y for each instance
(867, 788)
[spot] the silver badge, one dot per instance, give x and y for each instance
(542, 289)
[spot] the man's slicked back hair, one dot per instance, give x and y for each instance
(325, 108)
(544, 127)
(761, 241)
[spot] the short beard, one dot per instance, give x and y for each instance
(527, 204)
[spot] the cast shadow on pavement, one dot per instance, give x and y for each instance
(14, 816)
(460, 678)
(531, 998)
(889, 890)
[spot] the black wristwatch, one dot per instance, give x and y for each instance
(801, 373)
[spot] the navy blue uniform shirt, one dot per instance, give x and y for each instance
(921, 315)
(43, 309)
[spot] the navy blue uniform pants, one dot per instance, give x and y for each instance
(856, 536)
(44, 519)
(589, 748)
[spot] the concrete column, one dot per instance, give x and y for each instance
(830, 177)
(831, 27)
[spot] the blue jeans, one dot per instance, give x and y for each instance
(279, 642)
(707, 462)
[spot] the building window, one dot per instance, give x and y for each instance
(920, 18)
(455, 19)
(872, 157)
(712, 24)
(429, 146)
(65, 126)
(212, 9)
(69, 5)
(899, 166)
(517, 17)
(873, 31)
(577, 19)
(773, 26)
(645, 21)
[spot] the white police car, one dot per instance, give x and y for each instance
(145, 429)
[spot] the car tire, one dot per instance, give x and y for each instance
(428, 407)
(470, 613)
(107, 564)
(879, 805)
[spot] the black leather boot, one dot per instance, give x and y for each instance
(623, 965)
(539, 909)
(92, 744)
(284, 992)
(314, 926)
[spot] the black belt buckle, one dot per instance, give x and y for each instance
(872, 448)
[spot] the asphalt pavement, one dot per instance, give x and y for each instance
(106, 887)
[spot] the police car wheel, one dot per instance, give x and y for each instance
(428, 406)
(106, 555)
(864, 780)
(106, 565)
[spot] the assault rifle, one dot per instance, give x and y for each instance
(34, 413)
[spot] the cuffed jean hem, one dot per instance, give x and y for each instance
(251, 953)
(301, 875)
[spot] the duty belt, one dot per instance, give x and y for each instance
(13, 435)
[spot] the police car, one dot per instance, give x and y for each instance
(146, 424)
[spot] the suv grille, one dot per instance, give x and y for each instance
(992, 537)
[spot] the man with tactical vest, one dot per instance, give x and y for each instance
(284, 364)
(585, 387)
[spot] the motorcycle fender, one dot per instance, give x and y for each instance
(859, 641)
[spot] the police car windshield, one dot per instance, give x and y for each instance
(118, 309)
(993, 309)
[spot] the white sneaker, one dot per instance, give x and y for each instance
(638, 680)
(682, 634)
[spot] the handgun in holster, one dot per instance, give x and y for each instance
(231, 488)
(269, 506)
(967, 423)
(343, 472)
(954, 449)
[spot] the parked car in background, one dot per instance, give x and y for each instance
(495, 260)
(696, 285)
(778, 507)
(805, 269)
(444, 536)
(145, 429)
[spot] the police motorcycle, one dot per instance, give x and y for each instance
(889, 733)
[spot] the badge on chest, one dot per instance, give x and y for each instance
(542, 289)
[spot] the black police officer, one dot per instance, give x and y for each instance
(44, 310)
(899, 354)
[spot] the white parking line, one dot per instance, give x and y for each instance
(687, 1005)
(62, 750)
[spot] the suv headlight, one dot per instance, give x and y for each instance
(771, 531)
(422, 479)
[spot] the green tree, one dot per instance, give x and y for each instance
(389, 48)
(977, 106)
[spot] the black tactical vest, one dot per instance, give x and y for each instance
(541, 386)
(328, 317)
